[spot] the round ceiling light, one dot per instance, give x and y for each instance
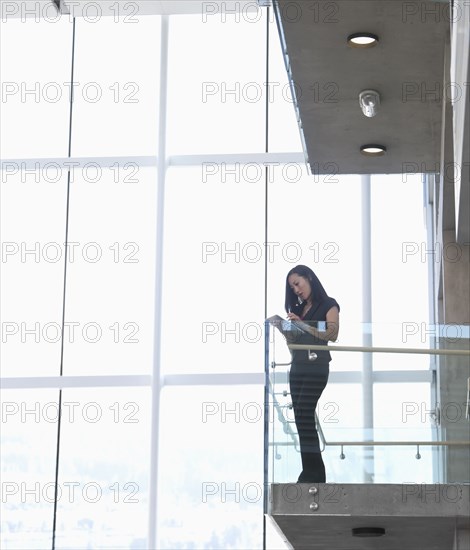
(373, 150)
(362, 40)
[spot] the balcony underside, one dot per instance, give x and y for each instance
(406, 68)
(414, 516)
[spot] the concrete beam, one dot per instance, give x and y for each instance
(378, 499)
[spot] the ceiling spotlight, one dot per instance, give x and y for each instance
(368, 532)
(373, 150)
(369, 100)
(362, 40)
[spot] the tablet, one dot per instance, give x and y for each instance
(285, 326)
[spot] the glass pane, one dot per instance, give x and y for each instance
(104, 468)
(307, 226)
(28, 438)
(117, 92)
(33, 205)
(339, 410)
(211, 487)
(399, 242)
(213, 273)
(110, 288)
(417, 432)
(36, 56)
(284, 132)
(216, 99)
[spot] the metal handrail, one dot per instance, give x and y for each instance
(370, 443)
(397, 443)
(384, 443)
(355, 443)
(344, 444)
(380, 349)
(370, 349)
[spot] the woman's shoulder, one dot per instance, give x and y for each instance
(319, 311)
(328, 303)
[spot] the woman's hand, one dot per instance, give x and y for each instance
(293, 317)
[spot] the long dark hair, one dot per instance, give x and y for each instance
(318, 292)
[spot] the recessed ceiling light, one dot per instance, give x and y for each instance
(373, 150)
(368, 532)
(362, 40)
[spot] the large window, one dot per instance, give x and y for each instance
(135, 285)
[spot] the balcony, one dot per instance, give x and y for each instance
(394, 435)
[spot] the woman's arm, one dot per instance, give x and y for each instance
(332, 325)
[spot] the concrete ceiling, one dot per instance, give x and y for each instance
(406, 68)
(78, 8)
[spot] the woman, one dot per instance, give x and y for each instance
(306, 300)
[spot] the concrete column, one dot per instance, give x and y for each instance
(453, 284)
(454, 371)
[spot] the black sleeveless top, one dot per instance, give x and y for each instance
(316, 313)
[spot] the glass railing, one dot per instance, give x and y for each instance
(393, 403)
